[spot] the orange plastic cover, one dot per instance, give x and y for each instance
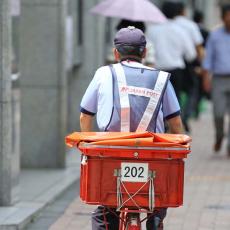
(128, 139)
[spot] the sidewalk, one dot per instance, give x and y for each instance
(38, 188)
(206, 195)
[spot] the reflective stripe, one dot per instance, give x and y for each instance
(124, 98)
(153, 102)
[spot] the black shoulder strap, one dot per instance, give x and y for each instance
(113, 82)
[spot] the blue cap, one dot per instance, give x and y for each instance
(130, 36)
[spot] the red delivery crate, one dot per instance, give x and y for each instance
(133, 176)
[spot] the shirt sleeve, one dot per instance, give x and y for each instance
(90, 98)
(208, 60)
(189, 48)
(196, 35)
(171, 107)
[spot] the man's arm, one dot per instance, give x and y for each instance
(198, 41)
(175, 125)
(200, 52)
(86, 122)
(207, 81)
(208, 64)
(171, 110)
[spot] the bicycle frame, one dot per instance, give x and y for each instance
(130, 220)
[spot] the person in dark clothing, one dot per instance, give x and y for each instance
(198, 18)
(190, 84)
(199, 93)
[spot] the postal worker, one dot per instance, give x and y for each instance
(129, 97)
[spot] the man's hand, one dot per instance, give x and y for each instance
(86, 122)
(175, 125)
(207, 84)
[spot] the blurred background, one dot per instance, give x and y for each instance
(49, 51)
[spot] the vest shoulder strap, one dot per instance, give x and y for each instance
(124, 98)
(154, 101)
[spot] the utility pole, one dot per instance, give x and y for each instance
(5, 105)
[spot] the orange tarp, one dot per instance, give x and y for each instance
(127, 139)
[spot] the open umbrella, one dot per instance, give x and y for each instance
(135, 10)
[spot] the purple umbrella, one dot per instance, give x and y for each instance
(135, 10)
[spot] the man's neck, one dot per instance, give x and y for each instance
(128, 59)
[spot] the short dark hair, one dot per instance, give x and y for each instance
(134, 51)
(168, 9)
(126, 23)
(179, 8)
(224, 9)
(198, 16)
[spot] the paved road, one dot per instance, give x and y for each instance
(206, 195)
(54, 211)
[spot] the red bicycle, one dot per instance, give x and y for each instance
(132, 172)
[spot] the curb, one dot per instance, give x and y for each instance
(17, 217)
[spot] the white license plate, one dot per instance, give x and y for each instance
(134, 172)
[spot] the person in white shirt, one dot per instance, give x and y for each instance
(189, 86)
(190, 27)
(172, 44)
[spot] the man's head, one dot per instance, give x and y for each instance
(169, 9)
(225, 13)
(129, 42)
(198, 16)
(180, 9)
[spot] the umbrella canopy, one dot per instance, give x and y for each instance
(134, 10)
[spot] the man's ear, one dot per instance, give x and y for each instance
(116, 54)
(144, 53)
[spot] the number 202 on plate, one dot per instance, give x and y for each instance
(134, 172)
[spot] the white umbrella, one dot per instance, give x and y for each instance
(135, 10)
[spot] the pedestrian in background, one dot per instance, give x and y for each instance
(198, 18)
(171, 45)
(190, 85)
(190, 27)
(217, 63)
(198, 92)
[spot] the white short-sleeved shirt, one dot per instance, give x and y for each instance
(191, 29)
(172, 45)
(98, 98)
